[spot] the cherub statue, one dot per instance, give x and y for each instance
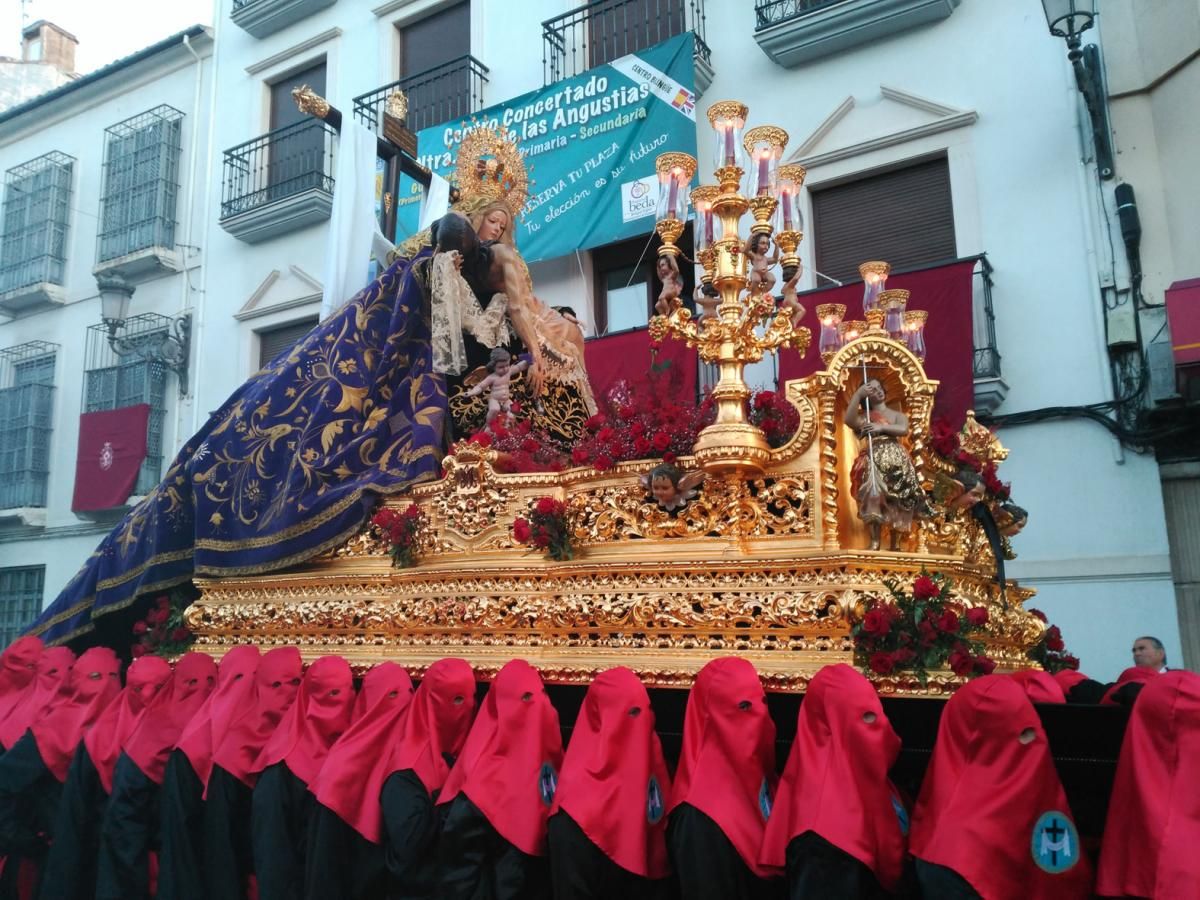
(707, 302)
(672, 285)
(671, 487)
(789, 300)
(501, 369)
(883, 479)
(762, 279)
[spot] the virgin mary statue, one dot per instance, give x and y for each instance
(293, 462)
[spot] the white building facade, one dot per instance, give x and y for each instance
(969, 102)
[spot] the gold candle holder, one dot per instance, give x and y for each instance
(874, 320)
(830, 316)
(874, 275)
(852, 330)
(762, 208)
(914, 331)
(892, 303)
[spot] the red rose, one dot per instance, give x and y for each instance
(541, 538)
(545, 506)
(529, 445)
(977, 616)
(984, 666)
(661, 441)
(1054, 641)
(605, 434)
(521, 531)
(158, 616)
(928, 635)
(626, 413)
(655, 346)
(882, 663)
(482, 438)
(579, 456)
(180, 634)
(163, 601)
(925, 588)
(875, 622)
(961, 662)
(947, 622)
(641, 446)
(595, 422)
(1037, 614)
(515, 407)
(1069, 661)
(137, 650)
(603, 462)
(904, 656)
(669, 457)
(140, 627)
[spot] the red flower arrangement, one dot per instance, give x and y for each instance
(639, 422)
(402, 531)
(921, 630)
(547, 528)
(162, 632)
(1050, 652)
(771, 411)
(520, 447)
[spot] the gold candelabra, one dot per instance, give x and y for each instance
(746, 324)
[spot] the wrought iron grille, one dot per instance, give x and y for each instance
(600, 32)
(33, 244)
(20, 599)
(279, 164)
(450, 91)
(111, 381)
(983, 319)
(772, 12)
(141, 183)
(26, 420)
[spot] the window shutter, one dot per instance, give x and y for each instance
(276, 340)
(904, 217)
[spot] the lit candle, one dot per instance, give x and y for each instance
(673, 194)
(730, 156)
(706, 209)
(785, 199)
(764, 159)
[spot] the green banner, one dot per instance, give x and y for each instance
(591, 142)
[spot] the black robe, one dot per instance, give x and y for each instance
(180, 875)
(128, 834)
(339, 863)
(228, 846)
(282, 808)
(817, 869)
(579, 870)
(70, 870)
(476, 863)
(706, 864)
(29, 796)
(942, 883)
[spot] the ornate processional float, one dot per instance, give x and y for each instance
(793, 553)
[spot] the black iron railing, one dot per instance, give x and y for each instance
(279, 164)
(987, 356)
(450, 91)
(772, 12)
(26, 420)
(600, 32)
(33, 235)
(141, 183)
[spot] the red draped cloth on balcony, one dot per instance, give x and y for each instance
(112, 445)
(949, 338)
(627, 356)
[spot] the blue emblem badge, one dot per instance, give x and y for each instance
(1055, 842)
(901, 814)
(547, 783)
(764, 800)
(654, 802)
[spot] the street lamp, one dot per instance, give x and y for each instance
(166, 347)
(1069, 19)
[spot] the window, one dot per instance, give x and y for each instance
(274, 341)
(26, 409)
(33, 244)
(904, 216)
(114, 382)
(141, 183)
(295, 154)
(435, 40)
(20, 599)
(33, 50)
(626, 286)
(620, 27)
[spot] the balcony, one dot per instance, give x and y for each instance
(26, 420)
(453, 90)
(279, 182)
(795, 32)
(265, 17)
(33, 235)
(600, 32)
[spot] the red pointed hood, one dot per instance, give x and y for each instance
(727, 764)
(53, 675)
(436, 723)
(1039, 686)
(152, 741)
(1153, 825)
(352, 776)
(320, 715)
(836, 783)
(18, 667)
(276, 683)
(95, 681)
(614, 782)
(510, 762)
(992, 783)
(235, 682)
(1132, 675)
(143, 680)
